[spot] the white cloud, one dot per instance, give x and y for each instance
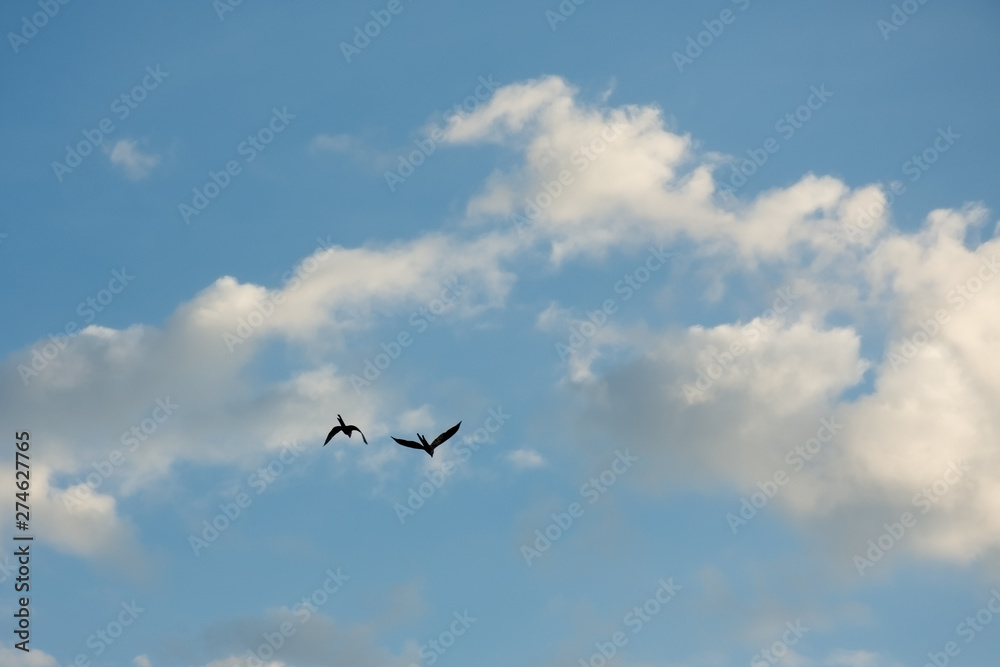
(633, 182)
(526, 459)
(938, 406)
(12, 657)
(645, 184)
(630, 181)
(80, 522)
(126, 155)
(896, 441)
(105, 382)
(784, 379)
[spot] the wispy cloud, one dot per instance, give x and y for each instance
(526, 458)
(336, 143)
(136, 164)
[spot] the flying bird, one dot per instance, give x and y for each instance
(346, 428)
(429, 447)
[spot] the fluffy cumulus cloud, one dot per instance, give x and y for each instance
(188, 386)
(83, 522)
(924, 440)
(594, 178)
(724, 403)
(927, 298)
(739, 392)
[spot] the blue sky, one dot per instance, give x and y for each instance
(636, 363)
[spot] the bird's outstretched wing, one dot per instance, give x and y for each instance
(444, 436)
(352, 429)
(335, 431)
(409, 443)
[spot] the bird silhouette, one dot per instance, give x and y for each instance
(429, 447)
(346, 428)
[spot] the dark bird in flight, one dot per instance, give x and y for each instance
(346, 428)
(429, 447)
